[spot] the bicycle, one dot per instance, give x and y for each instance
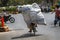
(33, 28)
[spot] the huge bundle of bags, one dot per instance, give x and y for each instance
(32, 13)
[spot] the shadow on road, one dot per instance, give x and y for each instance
(27, 35)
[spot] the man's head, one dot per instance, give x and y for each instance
(57, 6)
(4, 10)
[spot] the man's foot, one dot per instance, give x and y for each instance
(55, 26)
(59, 25)
(45, 24)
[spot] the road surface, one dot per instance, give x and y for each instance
(19, 30)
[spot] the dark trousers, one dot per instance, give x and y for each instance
(57, 19)
(6, 18)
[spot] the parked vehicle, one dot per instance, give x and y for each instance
(9, 18)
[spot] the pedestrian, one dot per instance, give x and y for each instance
(57, 15)
(5, 12)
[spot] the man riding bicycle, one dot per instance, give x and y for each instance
(32, 27)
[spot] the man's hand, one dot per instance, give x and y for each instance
(52, 12)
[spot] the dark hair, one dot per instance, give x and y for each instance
(57, 6)
(32, 23)
(4, 10)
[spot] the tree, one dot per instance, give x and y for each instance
(4, 2)
(32, 1)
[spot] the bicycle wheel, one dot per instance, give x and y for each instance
(11, 19)
(34, 30)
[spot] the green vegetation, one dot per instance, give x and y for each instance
(5, 4)
(11, 9)
(17, 2)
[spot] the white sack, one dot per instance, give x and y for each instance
(31, 14)
(41, 18)
(26, 15)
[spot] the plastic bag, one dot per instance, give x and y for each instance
(33, 15)
(40, 18)
(37, 18)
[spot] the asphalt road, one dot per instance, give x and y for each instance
(19, 30)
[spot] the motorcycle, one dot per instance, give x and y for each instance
(9, 18)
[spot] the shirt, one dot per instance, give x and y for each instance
(57, 12)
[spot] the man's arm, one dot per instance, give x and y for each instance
(53, 10)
